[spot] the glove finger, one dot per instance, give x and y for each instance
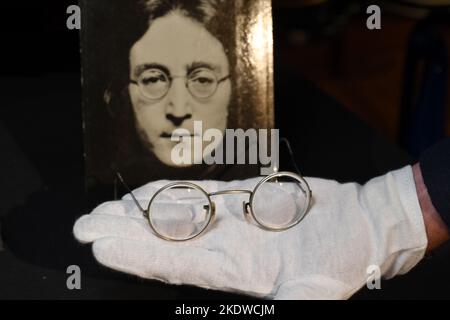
(89, 228)
(92, 227)
(126, 208)
(175, 263)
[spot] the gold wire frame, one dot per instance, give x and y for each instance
(211, 209)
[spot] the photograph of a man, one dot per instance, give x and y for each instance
(163, 65)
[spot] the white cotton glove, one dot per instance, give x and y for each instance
(348, 228)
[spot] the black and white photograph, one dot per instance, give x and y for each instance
(153, 66)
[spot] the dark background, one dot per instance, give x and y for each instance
(356, 109)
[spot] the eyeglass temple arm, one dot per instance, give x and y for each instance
(131, 192)
(291, 154)
(224, 78)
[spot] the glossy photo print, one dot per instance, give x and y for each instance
(158, 72)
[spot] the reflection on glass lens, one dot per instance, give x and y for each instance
(280, 202)
(179, 212)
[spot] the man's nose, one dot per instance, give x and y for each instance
(177, 121)
(179, 103)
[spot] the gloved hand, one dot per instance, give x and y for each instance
(348, 228)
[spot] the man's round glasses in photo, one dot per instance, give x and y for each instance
(154, 83)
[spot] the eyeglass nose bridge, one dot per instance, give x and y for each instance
(245, 205)
(188, 88)
(170, 87)
(184, 78)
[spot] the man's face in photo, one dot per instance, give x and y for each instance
(174, 49)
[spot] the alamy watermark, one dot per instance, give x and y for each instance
(373, 280)
(374, 20)
(207, 147)
(73, 21)
(73, 281)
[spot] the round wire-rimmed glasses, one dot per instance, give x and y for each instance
(154, 84)
(181, 211)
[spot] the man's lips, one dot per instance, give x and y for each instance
(166, 135)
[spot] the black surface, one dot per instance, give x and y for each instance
(19, 177)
